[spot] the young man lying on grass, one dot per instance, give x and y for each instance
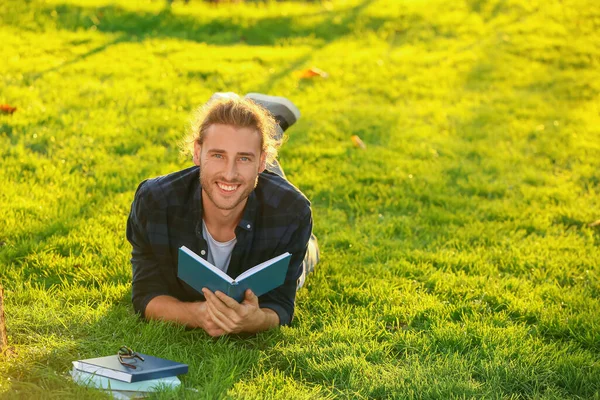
(234, 208)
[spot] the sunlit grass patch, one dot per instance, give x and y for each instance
(458, 258)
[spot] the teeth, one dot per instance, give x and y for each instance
(227, 188)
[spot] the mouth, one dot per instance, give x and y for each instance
(227, 187)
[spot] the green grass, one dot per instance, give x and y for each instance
(457, 256)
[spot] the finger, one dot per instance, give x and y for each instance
(228, 301)
(216, 332)
(212, 302)
(219, 319)
(218, 304)
(210, 297)
(207, 293)
(224, 314)
(250, 298)
(213, 329)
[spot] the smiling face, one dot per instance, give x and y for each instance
(230, 159)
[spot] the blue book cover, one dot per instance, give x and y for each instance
(150, 368)
(262, 278)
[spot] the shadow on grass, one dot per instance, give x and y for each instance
(138, 26)
(328, 25)
(218, 31)
(81, 57)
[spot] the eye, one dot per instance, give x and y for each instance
(217, 155)
(244, 159)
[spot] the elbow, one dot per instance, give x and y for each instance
(140, 303)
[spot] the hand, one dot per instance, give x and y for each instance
(190, 314)
(234, 317)
(207, 322)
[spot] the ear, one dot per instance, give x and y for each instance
(197, 151)
(262, 162)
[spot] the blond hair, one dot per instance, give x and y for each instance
(238, 112)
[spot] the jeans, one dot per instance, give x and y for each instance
(312, 252)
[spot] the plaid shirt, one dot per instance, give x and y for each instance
(167, 213)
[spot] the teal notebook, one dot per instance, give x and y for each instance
(262, 278)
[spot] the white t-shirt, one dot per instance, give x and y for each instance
(219, 253)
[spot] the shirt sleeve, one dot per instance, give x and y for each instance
(282, 299)
(149, 278)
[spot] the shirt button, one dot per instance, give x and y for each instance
(248, 226)
(203, 252)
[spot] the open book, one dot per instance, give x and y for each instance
(262, 278)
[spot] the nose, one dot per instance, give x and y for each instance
(230, 170)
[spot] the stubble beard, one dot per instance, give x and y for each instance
(208, 187)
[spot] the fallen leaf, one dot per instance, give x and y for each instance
(358, 142)
(6, 109)
(313, 72)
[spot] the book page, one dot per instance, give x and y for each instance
(207, 264)
(260, 267)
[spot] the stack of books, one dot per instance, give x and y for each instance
(122, 382)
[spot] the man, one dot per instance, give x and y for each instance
(234, 208)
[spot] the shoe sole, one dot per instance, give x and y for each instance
(277, 100)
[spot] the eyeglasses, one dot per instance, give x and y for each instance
(126, 356)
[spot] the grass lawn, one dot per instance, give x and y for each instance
(458, 259)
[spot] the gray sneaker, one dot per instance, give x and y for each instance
(285, 112)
